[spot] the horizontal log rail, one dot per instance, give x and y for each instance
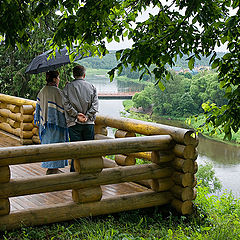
(16, 100)
(83, 149)
(67, 181)
(70, 210)
(179, 135)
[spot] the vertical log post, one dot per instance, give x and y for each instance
(162, 158)
(26, 124)
(4, 202)
(100, 129)
(91, 166)
(35, 132)
(184, 178)
(124, 160)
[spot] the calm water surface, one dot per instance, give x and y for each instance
(225, 158)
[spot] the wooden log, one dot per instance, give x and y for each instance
(26, 126)
(143, 155)
(194, 193)
(160, 185)
(84, 149)
(123, 134)
(100, 129)
(183, 179)
(27, 118)
(25, 141)
(15, 116)
(35, 131)
(108, 163)
(146, 183)
(88, 165)
(85, 195)
(15, 138)
(187, 152)
(125, 160)
(26, 134)
(6, 127)
(13, 108)
(36, 139)
(162, 156)
(195, 167)
(101, 137)
(195, 181)
(16, 100)
(182, 194)
(3, 105)
(4, 207)
(65, 181)
(68, 211)
(5, 174)
(184, 165)
(183, 136)
(27, 110)
(7, 113)
(185, 208)
(13, 123)
(3, 119)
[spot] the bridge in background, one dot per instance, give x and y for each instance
(119, 95)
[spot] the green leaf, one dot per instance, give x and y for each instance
(125, 33)
(118, 54)
(168, 76)
(191, 63)
(215, 63)
(161, 86)
(116, 38)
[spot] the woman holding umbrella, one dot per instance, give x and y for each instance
(50, 119)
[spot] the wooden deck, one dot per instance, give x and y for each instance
(35, 169)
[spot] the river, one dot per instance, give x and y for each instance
(225, 158)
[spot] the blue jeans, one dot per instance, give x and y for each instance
(80, 132)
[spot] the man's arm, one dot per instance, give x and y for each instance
(90, 114)
(71, 111)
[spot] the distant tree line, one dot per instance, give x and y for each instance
(183, 96)
(109, 61)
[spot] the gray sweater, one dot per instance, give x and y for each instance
(80, 97)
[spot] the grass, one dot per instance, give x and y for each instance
(214, 218)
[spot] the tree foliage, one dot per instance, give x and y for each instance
(180, 27)
(183, 97)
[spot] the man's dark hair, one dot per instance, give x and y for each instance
(51, 75)
(79, 71)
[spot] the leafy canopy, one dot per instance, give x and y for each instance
(192, 27)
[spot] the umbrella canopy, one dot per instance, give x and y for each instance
(41, 63)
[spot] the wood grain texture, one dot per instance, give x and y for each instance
(70, 210)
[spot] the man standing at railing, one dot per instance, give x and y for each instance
(81, 106)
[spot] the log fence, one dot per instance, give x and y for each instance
(168, 175)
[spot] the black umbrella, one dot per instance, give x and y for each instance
(41, 63)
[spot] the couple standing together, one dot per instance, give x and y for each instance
(68, 114)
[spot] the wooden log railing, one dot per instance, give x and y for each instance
(16, 117)
(169, 174)
(85, 184)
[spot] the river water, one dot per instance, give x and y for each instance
(225, 158)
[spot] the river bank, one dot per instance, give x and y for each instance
(193, 122)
